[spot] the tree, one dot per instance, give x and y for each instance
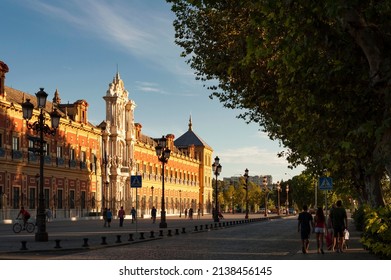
(315, 75)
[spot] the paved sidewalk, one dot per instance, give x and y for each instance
(198, 236)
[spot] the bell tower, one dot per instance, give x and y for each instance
(119, 144)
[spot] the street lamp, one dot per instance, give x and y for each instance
(216, 167)
(180, 203)
(163, 154)
(265, 186)
(246, 188)
(42, 128)
(152, 188)
(287, 199)
(278, 196)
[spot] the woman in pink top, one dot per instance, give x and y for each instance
(320, 226)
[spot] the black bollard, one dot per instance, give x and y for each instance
(152, 235)
(176, 231)
(23, 245)
(57, 244)
(118, 239)
(183, 230)
(103, 241)
(169, 233)
(142, 235)
(130, 237)
(161, 232)
(200, 227)
(206, 226)
(195, 228)
(85, 242)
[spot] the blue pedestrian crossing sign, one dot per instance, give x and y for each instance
(135, 181)
(325, 183)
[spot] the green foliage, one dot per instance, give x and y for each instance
(377, 231)
(308, 72)
(359, 217)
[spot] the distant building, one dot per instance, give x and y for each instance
(88, 166)
(257, 180)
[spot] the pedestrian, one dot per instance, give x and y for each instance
(320, 227)
(185, 213)
(121, 216)
(104, 214)
(304, 227)
(48, 215)
(191, 213)
(199, 213)
(153, 214)
(133, 213)
(109, 216)
(339, 220)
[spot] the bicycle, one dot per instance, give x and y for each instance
(19, 226)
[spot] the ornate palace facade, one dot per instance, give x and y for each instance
(88, 167)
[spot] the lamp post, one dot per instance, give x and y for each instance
(180, 203)
(265, 186)
(216, 167)
(40, 127)
(152, 188)
(287, 199)
(278, 196)
(163, 154)
(246, 188)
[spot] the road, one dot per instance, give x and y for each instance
(232, 239)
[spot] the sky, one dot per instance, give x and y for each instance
(77, 46)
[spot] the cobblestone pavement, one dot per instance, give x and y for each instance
(231, 239)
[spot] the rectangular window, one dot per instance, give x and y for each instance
(32, 198)
(83, 156)
(59, 199)
(59, 152)
(16, 198)
(83, 200)
(15, 143)
(72, 199)
(46, 149)
(47, 198)
(31, 144)
(93, 162)
(72, 154)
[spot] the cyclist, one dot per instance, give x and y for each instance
(25, 216)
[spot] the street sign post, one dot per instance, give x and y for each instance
(136, 182)
(325, 183)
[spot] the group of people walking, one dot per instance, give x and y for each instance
(108, 216)
(334, 229)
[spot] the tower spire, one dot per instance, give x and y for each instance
(190, 124)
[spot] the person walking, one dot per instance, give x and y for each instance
(320, 226)
(153, 214)
(133, 213)
(191, 213)
(304, 227)
(105, 217)
(121, 216)
(199, 213)
(185, 213)
(109, 216)
(339, 221)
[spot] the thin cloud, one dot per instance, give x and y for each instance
(148, 35)
(253, 155)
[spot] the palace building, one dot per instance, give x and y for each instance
(88, 167)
